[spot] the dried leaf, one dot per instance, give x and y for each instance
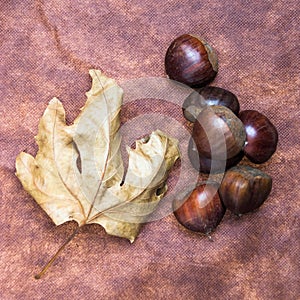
(78, 170)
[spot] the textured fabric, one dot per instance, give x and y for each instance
(46, 49)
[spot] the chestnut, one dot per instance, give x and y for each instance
(218, 133)
(209, 95)
(201, 209)
(191, 61)
(207, 165)
(261, 136)
(244, 189)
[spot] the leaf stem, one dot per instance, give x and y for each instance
(50, 262)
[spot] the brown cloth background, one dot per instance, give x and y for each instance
(46, 49)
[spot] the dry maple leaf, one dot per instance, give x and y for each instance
(78, 172)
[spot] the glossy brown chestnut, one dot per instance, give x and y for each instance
(209, 95)
(244, 189)
(191, 61)
(261, 136)
(201, 210)
(206, 165)
(218, 133)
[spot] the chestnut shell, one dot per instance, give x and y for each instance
(191, 61)
(261, 136)
(214, 125)
(244, 189)
(209, 95)
(201, 210)
(204, 165)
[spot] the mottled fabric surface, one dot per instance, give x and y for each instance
(46, 49)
